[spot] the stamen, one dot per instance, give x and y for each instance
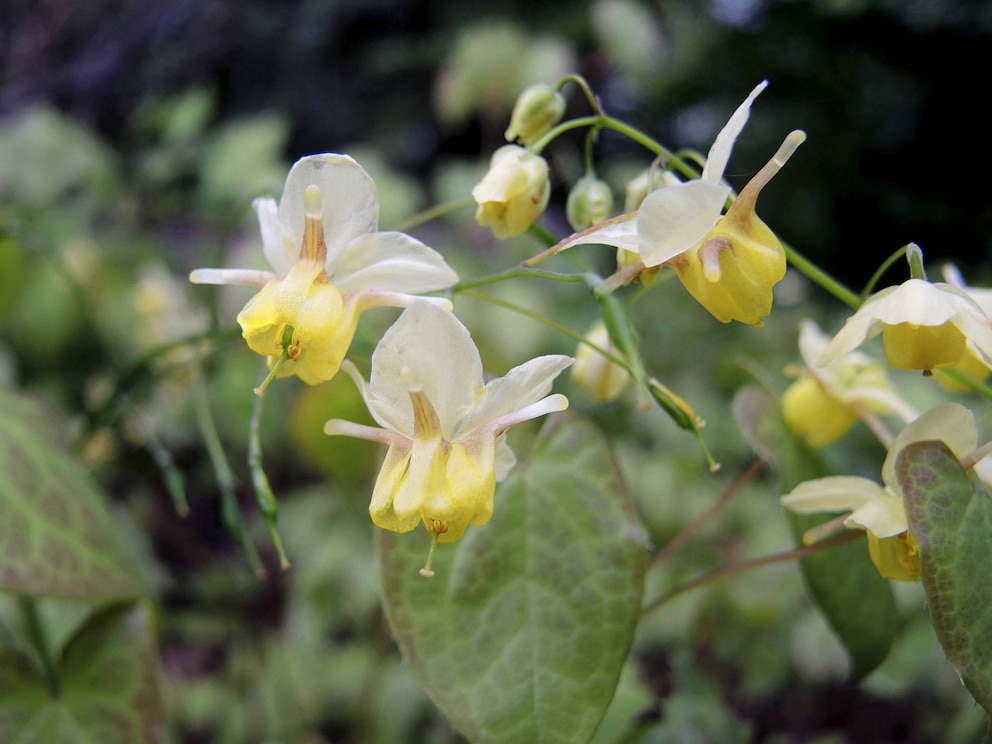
(427, 572)
(314, 248)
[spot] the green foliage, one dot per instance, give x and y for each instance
(105, 686)
(855, 600)
(522, 633)
(57, 537)
(950, 516)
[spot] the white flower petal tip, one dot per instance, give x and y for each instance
(723, 145)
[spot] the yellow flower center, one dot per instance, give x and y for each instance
(896, 557)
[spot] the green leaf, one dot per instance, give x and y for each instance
(108, 691)
(522, 634)
(57, 537)
(843, 582)
(950, 516)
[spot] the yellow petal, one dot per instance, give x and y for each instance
(911, 346)
(814, 414)
(895, 557)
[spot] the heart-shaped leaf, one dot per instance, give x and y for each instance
(107, 686)
(57, 537)
(523, 631)
(950, 516)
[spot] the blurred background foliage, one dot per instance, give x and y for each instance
(133, 136)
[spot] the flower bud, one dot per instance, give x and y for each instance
(536, 111)
(598, 376)
(514, 193)
(589, 202)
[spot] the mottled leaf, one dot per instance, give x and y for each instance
(522, 633)
(107, 687)
(950, 516)
(843, 582)
(57, 537)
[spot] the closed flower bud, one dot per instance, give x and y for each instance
(598, 376)
(514, 193)
(536, 111)
(589, 202)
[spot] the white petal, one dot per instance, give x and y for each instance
(951, 423)
(919, 302)
(389, 261)
(279, 247)
(723, 145)
(837, 493)
(427, 348)
(551, 404)
(617, 233)
(673, 219)
(505, 459)
(240, 277)
(348, 199)
(521, 387)
(884, 517)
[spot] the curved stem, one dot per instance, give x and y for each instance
(818, 276)
(514, 273)
(439, 210)
(581, 82)
(694, 527)
(784, 557)
(886, 265)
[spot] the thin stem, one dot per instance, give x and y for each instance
(36, 635)
(768, 560)
(963, 378)
(264, 495)
(818, 276)
(696, 526)
(439, 210)
(886, 265)
(230, 510)
(514, 273)
(581, 82)
(551, 324)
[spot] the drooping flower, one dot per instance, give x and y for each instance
(924, 326)
(602, 379)
(445, 427)
(880, 510)
(539, 108)
(330, 264)
(589, 202)
(971, 363)
(728, 262)
(514, 193)
(824, 402)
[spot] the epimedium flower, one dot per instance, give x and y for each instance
(824, 402)
(728, 262)
(445, 427)
(971, 363)
(539, 108)
(514, 192)
(602, 379)
(330, 264)
(880, 510)
(924, 326)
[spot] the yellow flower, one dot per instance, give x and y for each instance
(330, 265)
(729, 263)
(598, 376)
(923, 326)
(826, 401)
(445, 427)
(880, 510)
(514, 193)
(971, 363)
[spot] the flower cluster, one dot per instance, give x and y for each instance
(444, 426)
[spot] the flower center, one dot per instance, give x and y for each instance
(314, 249)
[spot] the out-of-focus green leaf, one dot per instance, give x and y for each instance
(57, 537)
(13, 273)
(107, 687)
(856, 601)
(523, 632)
(950, 515)
(243, 160)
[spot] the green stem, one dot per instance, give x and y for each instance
(818, 276)
(264, 495)
(963, 378)
(886, 265)
(768, 560)
(581, 82)
(513, 273)
(433, 213)
(578, 337)
(36, 635)
(914, 254)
